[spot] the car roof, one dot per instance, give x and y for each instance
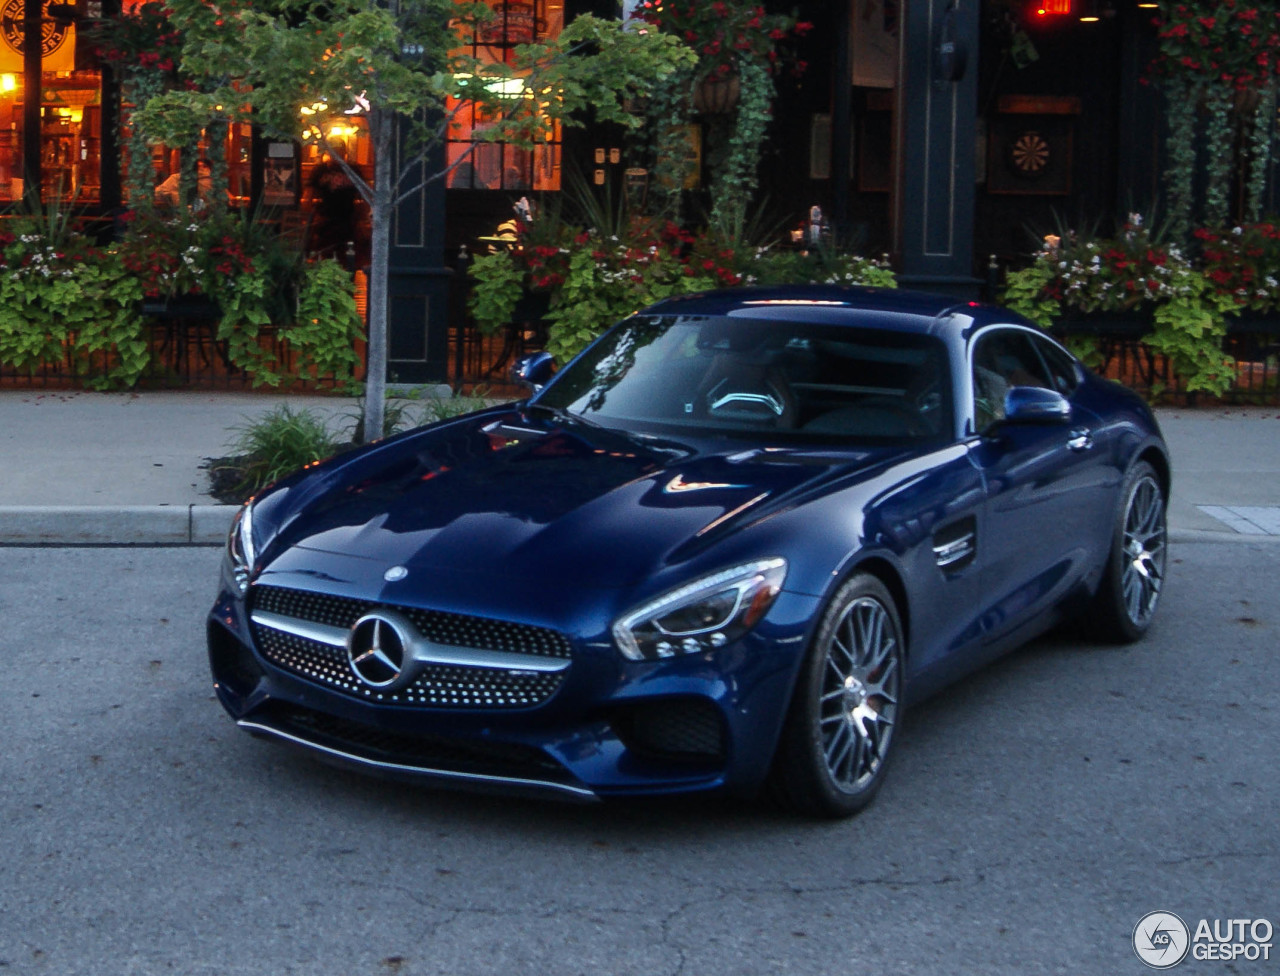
(901, 310)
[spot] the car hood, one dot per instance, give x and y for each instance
(515, 493)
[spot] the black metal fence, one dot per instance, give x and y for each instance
(1255, 351)
(186, 353)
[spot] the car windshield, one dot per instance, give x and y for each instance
(751, 376)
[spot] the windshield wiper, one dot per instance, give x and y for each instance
(650, 442)
(560, 413)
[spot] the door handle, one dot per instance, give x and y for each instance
(1081, 439)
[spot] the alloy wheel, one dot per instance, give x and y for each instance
(1142, 575)
(860, 691)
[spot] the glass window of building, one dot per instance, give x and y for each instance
(480, 165)
(65, 102)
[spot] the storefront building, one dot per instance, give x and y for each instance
(943, 132)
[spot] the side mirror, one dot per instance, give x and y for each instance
(1034, 405)
(534, 370)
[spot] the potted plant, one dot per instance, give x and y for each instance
(1218, 62)
(594, 277)
(64, 301)
(738, 49)
(1243, 263)
(1129, 284)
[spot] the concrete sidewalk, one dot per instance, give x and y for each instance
(80, 468)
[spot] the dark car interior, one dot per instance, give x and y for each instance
(829, 382)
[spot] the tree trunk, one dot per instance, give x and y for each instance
(382, 212)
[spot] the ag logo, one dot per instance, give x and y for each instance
(53, 33)
(1161, 940)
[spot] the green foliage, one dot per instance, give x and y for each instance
(603, 284)
(1027, 291)
(1222, 58)
(279, 442)
(595, 279)
(1182, 96)
(244, 313)
(327, 324)
(499, 284)
(668, 113)
(116, 330)
(1220, 144)
(1133, 273)
(1189, 330)
(394, 417)
(437, 408)
(1260, 153)
(406, 60)
(417, 407)
(821, 265)
(407, 66)
(64, 299)
(736, 177)
(724, 33)
(1243, 263)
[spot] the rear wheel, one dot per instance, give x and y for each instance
(1134, 576)
(840, 728)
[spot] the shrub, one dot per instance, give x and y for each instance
(277, 443)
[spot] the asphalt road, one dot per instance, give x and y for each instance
(1036, 812)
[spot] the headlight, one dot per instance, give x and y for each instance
(707, 613)
(240, 545)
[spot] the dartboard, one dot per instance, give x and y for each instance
(1029, 154)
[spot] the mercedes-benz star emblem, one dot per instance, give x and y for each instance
(378, 649)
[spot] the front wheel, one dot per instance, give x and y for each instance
(1134, 576)
(836, 740)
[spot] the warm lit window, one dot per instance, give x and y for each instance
(494, 165)
(70, 112)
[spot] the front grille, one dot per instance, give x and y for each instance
(438, 686)
(434, 752)
(456, 629)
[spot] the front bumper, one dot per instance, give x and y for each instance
(612, 728)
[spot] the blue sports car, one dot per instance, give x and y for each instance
(724, 548)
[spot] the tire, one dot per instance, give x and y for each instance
(840, 727)
(1134, 574)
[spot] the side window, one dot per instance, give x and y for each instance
(1002, 359)
(1062, 367)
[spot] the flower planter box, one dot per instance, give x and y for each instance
(716, 95)
(182, 307)
(1254, 323)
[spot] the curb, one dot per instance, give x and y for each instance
(1214, 535)
(115, 525)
